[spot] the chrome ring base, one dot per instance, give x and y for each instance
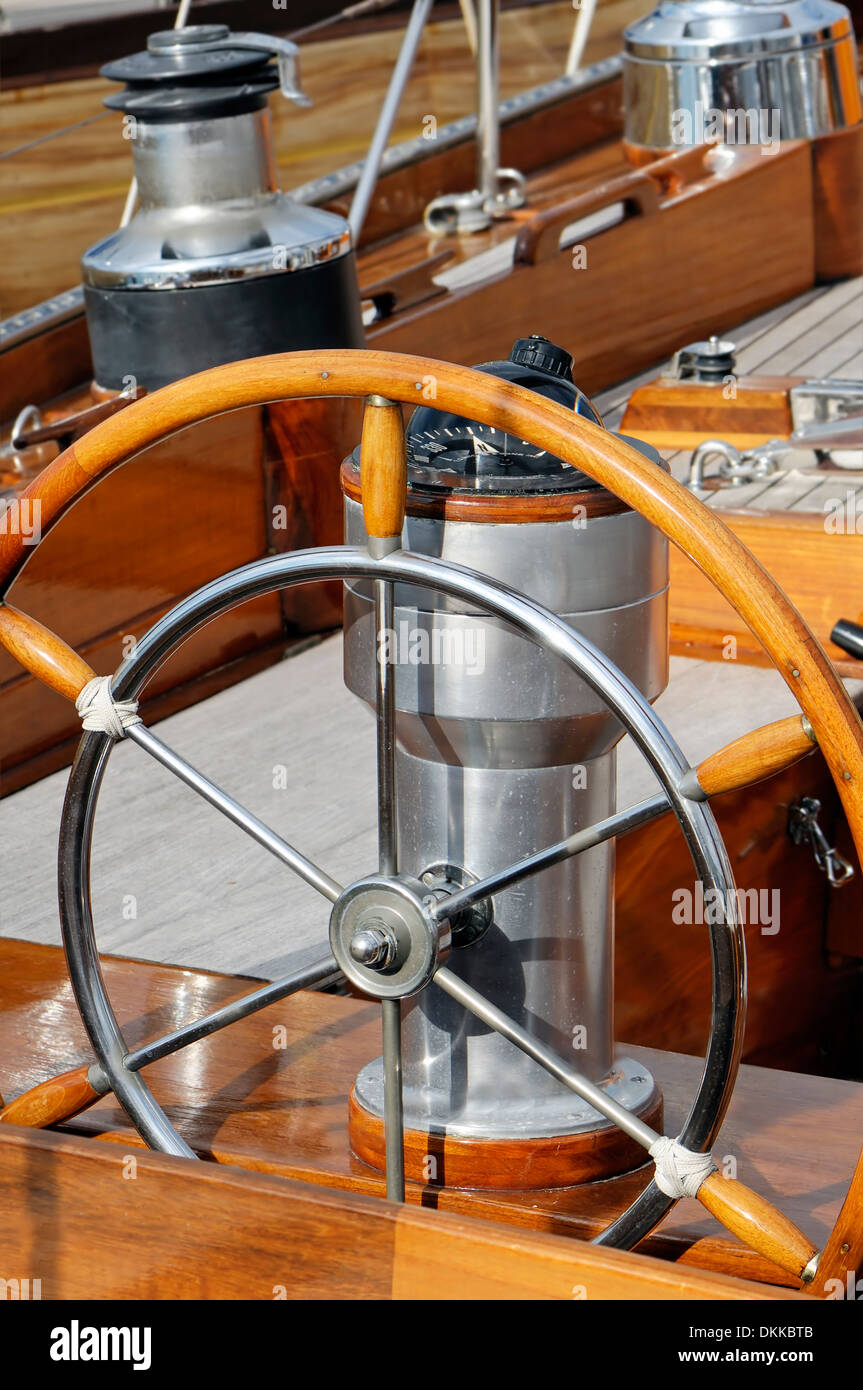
(538, 1117)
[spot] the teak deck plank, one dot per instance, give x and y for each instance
(239, 1098)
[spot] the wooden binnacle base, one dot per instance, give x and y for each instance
(437, 1159)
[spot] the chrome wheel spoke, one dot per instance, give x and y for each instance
(385, 710)
(581, 840)
(394, 1136)
(495, 1018)
(391, 1009)
(249, 1004)
(236, 813)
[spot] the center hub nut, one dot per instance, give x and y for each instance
(384, 938)
(374, 946)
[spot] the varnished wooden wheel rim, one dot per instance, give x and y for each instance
(700, 533)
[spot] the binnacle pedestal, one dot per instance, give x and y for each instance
(502, 751)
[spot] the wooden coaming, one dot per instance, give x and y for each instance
(149, 1226)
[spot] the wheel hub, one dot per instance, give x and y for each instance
(384, 938)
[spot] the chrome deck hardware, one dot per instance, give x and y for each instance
(739, 72)
(803, 827)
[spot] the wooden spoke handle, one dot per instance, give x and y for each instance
(52, 1102)
(755, 756)
(756, 1222)
(43, 653)
(384, 469)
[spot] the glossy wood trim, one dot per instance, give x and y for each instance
(438, 1160)
(756, 1222)
(838, 203)
(710, 644)
(43, 653)
(754, 756)
(682, 414)
(499, 508)
(640, 190)
(700, 533)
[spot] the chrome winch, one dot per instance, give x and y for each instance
(739, 72)
(502, 751)
(217, 264)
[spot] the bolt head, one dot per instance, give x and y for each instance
(372, 947)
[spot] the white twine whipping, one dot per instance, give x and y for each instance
(101, 713)
(679, 1171)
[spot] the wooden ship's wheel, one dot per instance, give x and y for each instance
(391, 935)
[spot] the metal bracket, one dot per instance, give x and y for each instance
(736, 467)
(827, 416)
(803, 826)
(824, 400)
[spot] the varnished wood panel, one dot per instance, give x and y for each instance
(801, 1006)
(308, 441)
(681, 414)
(838, 188)
(820, 571)
(44, 366)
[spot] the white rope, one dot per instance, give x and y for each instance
(101, 713)
(679, 1171)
